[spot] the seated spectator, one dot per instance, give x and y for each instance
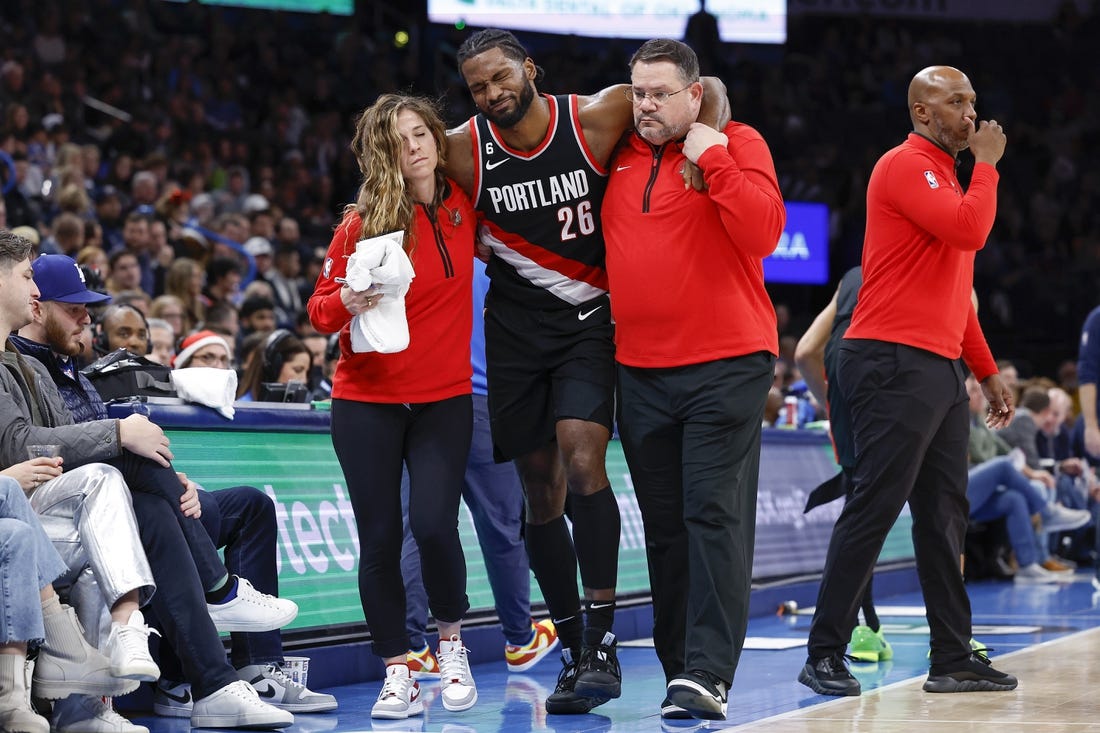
(68, 234)
(224, 320)
(223, 281)
(87, 514)
(282, 359)
(123, 271)
(286, 282)
(94, 259)
(122, 326)
(162, 342)
(195, 589)
(203, 349)
(262, 253)
(316, 344)
(1023, 432)
(1077, 485)
(998, 489)
(32, 612)
(186, 279)
(257, 315)
(170, 309)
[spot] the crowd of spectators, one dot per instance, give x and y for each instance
(216, 126)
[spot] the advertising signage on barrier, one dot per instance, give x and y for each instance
(318, 548)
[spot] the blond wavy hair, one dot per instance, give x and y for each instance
(383, 201)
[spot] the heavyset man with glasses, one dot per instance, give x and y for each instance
(695, 338)
(535, 167)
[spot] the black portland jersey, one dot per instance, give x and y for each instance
(541, 212)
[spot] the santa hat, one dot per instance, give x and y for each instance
(193, 343)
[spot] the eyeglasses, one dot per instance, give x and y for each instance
(658, 98)
(211, 359)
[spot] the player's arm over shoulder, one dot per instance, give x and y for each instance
(460, 157)
(604, 117)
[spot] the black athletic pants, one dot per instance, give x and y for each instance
(691, 436)
(910, 426)
(372, 441)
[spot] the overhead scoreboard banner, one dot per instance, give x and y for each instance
(740, 21)
(318, 548)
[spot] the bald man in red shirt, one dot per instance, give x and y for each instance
(899, 370)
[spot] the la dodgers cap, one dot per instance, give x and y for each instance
(60, 279)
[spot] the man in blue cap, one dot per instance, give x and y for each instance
(241, 518)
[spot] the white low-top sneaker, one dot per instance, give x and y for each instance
(128, 649)
(399, 697)
(456, 681)
(84, 714)
(251, 611)
(237, 706)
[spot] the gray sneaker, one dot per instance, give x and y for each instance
(1059, 518)
(275, 687)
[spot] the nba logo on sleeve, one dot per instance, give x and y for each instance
(931, 178)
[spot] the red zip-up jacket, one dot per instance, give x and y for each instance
(686, 267)
(918, 253)
(438, 307)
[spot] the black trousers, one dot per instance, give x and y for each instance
(691, 436)
(432, 440)
(910, 426)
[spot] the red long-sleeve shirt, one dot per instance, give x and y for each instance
(685, 267)
(438, 307)
(918, 253)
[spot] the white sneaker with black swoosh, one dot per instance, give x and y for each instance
(275, 687)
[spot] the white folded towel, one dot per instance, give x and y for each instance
(208, 386)
(380, 264)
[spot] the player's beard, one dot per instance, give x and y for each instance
(511, 119)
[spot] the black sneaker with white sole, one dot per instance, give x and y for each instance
(829, 676)
(975, 674)
(598, 673)
(565, 700)
(701, 694)
(672, 711)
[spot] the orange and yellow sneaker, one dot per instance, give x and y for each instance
(422, 664)
(544, 639)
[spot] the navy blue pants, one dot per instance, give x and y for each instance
(180, 601)
(241, 519)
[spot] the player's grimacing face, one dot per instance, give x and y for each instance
(502, 88)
